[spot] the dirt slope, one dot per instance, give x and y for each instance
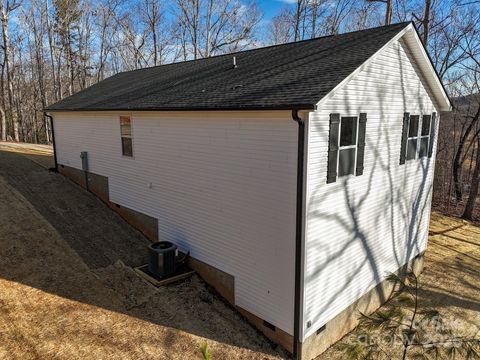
(68, 291)
(60, 303)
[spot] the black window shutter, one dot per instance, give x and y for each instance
(432, 133)
(362, 123)
(403, 149)
(333, 148)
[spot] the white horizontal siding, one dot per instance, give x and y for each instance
(361, 228)
(222, 186)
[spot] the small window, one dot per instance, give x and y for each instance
(413, 128)
(426, 125)
(425, 136)
(126, 135)
(348, 146)
(412, 141)
(348, 131)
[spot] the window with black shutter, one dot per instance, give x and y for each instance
(412, 141)
(432, 134)
(347, 151)
(424, 136)
(362, 124)
(417, 136)
(126, 136)
(403, 148)
(333, 148)
(346, 146)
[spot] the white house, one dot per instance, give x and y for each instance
(297, 178)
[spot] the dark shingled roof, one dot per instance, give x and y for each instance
(294, 75)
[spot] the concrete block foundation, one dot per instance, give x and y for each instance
(348, 319)
(224, 284)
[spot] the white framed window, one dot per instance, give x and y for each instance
(418, 135)
(412, 139)
(347, 145)
(424, 136)
(126, 135)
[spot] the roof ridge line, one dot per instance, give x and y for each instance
(267, 47)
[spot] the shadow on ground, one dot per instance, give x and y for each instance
(449, 282)
(96, 245)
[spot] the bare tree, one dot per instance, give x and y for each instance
(52, 51)
(130, 41)
(474, 186)
(299, 14)
(210, 27)
(468, 213)
(388, 9)
(314, 18)
(425, 21)
(6, 9)
(35, 18)
(84, 56)
(281, 27)
(154, 16)
(2, 107)
(465, 137)
(339, 13)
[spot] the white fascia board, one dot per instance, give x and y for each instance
(427, 67)
(425, 63)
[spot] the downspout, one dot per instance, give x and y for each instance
(297, 349)
(53, 141)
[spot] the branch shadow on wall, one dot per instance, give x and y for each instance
(383, 197)
(95, 245)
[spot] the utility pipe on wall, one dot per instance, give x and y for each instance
(299, 235)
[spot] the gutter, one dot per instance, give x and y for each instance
(299, 236)
(187, 109)
(53, 141)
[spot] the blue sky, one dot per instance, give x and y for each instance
(272, 7)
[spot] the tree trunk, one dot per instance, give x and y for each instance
(10, 75)
(457, 163)
(389, 12)
(71, 71)
(40, 73)
(154, 18)
(208, 29)
(426, 22)
(3, 105)
(472, 197)
(4, 124)
(314, 20)
(51, 50)
(298, 16)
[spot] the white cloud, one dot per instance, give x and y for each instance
(288, 1)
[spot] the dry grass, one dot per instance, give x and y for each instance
(450, 282)
(58, 301)
(23, 148)
(53, 306)
(38, 153)
(452, 271)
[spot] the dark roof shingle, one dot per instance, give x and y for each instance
(293, 75)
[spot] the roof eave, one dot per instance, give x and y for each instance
(233, 108)
(444, 101)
